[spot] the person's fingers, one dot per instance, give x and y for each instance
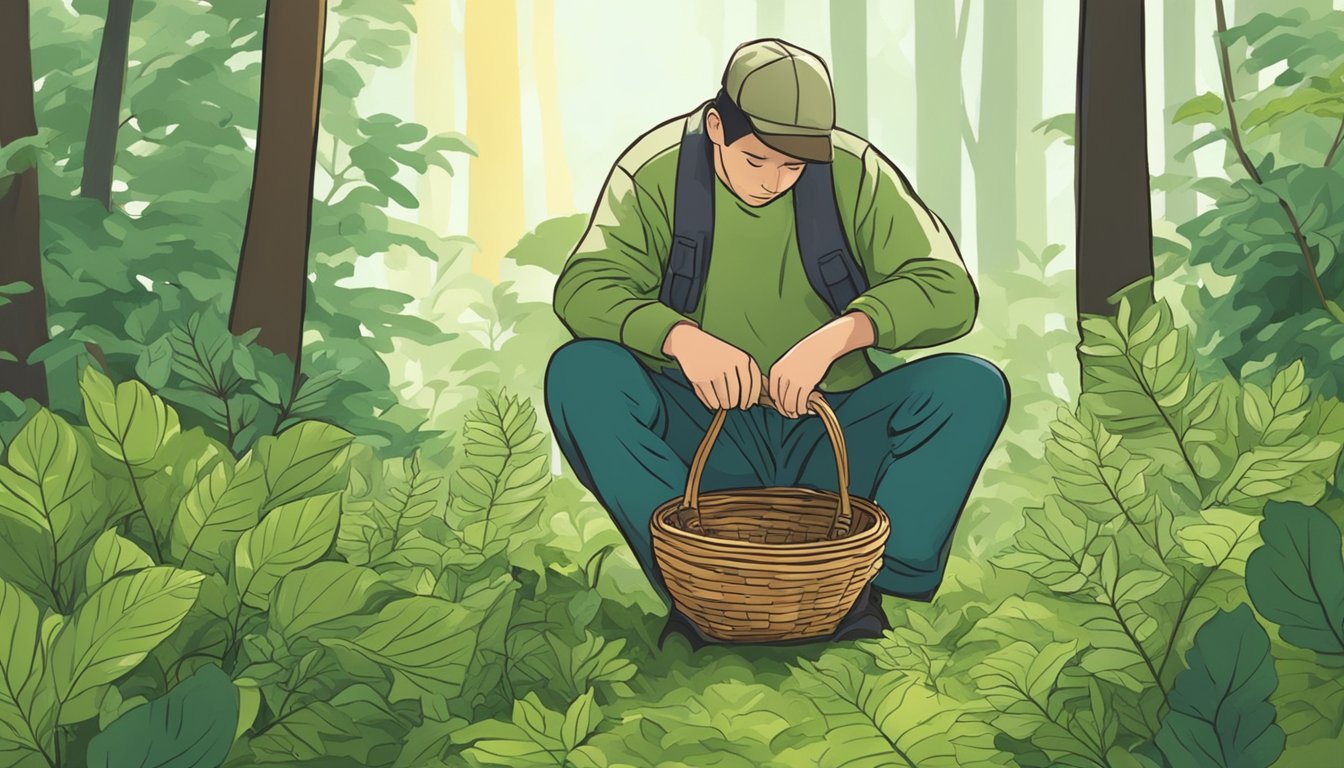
(720, 386)
(754, 387)
(786, 398)
(734, 385)
(800, 401)
(776, 394)
(706, 397)
(744, 383)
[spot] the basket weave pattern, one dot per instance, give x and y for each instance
(767, 564)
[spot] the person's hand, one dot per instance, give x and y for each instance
(722, 375)
(795, 375)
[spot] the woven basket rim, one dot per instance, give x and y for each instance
(879, 529)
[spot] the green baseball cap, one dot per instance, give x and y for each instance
(786, 93)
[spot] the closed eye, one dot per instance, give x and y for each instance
(753, 165)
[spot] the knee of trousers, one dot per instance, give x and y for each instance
(597, 378)
(967, 383)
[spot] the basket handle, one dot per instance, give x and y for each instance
(816, 404)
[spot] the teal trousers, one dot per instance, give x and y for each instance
(917, 437)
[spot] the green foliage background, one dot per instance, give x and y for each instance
(198, 571)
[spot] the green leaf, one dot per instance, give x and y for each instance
(1296, 579)
(320, 593)
(1224, 539)
(1220, 712)
(219, 508)
(129, 423)
(1205, 104)
(118, 626)
(290, 537)
(356, 724)
(24, 702)
(112, 556)
(581, 719)
(24, 153)
(191, 726)
(46, 493)
(307, 459)
(424, 641)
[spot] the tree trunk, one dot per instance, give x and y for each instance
(769, 18)
(1115, 231)
(994, 154)
(559, 189)
(938, 111)
(272, 287)
(436, 43)
(100, 149)
(1178, 84)
(495, 217)
(849, 64)
(24, 318)
(1031, 192)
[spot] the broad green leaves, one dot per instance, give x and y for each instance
(112, 556)
(537, 736)
(129, 423)
(290, 537)
(48, 506)
(190, 727)
(427, 644)
(324, 592)
(1297, 578)
(117, 627)
(23, 707)
(1220, 714)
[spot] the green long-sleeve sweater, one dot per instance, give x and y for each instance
(757, 296)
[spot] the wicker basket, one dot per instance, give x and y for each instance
(768, 564)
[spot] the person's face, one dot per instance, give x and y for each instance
(755, 173)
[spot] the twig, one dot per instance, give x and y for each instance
(1230, 98)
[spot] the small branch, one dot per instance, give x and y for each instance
(1339, 136)
(1230, 98)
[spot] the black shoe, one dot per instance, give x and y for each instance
(679, 624)
(865, 621)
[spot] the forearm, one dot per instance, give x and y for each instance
(844, 334)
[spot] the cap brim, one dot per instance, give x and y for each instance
(814, 149)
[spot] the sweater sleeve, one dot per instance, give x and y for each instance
(609, 286)
(921, 294)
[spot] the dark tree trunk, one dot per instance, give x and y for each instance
(938, 111)
(849, 64)
(100, 149)
(23, 320)
(1115, 230)
(272, 282)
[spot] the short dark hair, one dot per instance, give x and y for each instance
(735, 121)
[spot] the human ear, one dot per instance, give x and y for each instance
(714, 127)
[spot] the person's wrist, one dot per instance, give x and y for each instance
(676, 338)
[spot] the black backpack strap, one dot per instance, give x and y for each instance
(692, 222)
(827, 258)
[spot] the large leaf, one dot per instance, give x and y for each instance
(1296, 579)
(223, 504)
(307, 459)
(118, 626)
(46, 494)
(191, 726)
(290, 537)
(129, 422)
(356, 723)
(112, 556)
(22, 708)
(1220, 712)
(426, 642)
(321, 593)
